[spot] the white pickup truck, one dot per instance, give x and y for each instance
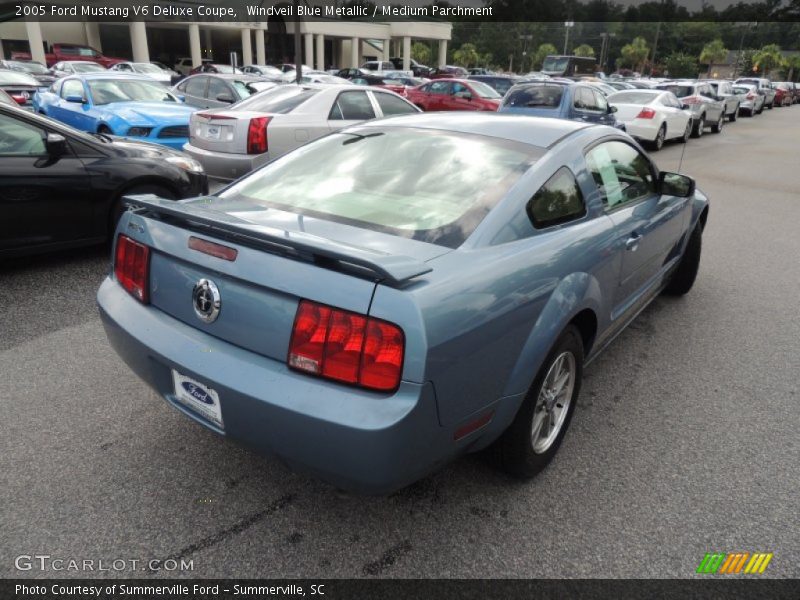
(384, 68)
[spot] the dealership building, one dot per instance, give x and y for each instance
(327, 43)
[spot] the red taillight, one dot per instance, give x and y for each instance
(751, 96)
(346, 346)
(132, 267)
(646, 113)
(692, 100)
(20, 99)
(212, 249)
(257, 135)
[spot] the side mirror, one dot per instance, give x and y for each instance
(612, 109)
(76, 99)
(55, 144)
(675, 184)
(225, 97)
(685, 106)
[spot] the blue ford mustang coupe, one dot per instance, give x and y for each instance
(125, 105)
(386, 298)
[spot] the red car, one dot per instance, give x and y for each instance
(71, 52)
(449, 72)
(784, 95)
(454, 94)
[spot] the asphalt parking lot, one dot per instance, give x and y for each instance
(685, 440)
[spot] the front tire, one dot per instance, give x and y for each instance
(687, 133)
(658, 143)
(717, 127)
(533, 438)
(683, 278)
(699, 126)
(734, 115)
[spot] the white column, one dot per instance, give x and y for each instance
(35, 41)
(320, 52)
(194, 45)
(261, 53)
(247, 48)
(387, 49)
(139, 41)
(442, 53)
(93, 35)
(2, 54)
(308, 58)
(406, 53)
(354, 45)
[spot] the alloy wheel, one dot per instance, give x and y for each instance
(552, 405)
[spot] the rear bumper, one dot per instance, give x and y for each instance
(226, 166)
(643, 129)
(357, 440)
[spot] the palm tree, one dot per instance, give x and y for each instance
(583, 50)
(768, 58)
(635, 54)
(713, 53)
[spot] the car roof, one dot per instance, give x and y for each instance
(542, 132)
(239, 76)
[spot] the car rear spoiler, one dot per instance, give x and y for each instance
(393, 268)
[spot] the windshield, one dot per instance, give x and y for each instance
(433, 186)
(483, 90)
(539, 96)
(17, 78)
(146, 68)
(279, 100)
(86, 67)
(632, 97)
(555, 63)
(108, 91)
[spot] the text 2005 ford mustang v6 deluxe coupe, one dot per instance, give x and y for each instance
(379, 301)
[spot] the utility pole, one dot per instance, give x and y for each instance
(567, 26)
(298, 57)
(655, 46)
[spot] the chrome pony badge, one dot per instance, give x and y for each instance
(206, 300)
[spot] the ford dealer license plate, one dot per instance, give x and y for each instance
(198, 397)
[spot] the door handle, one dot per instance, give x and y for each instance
(632, 243)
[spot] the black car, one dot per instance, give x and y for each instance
(500, 83)
(36, 70)
(416, 68)
(60, 187)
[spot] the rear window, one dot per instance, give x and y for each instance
(280, 100)
(539, 96)
(432, 186)
(681, 91)
(632, 98)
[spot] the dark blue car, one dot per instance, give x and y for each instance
(559, 100)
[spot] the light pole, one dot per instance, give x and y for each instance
(567, 26)
(525, 39)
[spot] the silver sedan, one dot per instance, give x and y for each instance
(231, 142)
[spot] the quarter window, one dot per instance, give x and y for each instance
(439, 87)
(391, 105)
(622, 174)
(558, 201)
(352, 106)
(217, 87)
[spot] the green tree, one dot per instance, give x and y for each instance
(768, 58)
(583, 50)
(421, 53)
(792, 67)
(713, 52)
(467, 55)
(542, 52)
(634, 55)
(680, 65)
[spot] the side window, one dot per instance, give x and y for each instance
(392, 105)
(217, 87)
(19, 138)
(72, 87)
(439, 87)
(458, 88)
(621, 173)
(196, 86)
(558, 201)
(578, 99)
(352, 106)
(600, 102)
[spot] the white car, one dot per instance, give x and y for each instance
(146, 69)
(652, 116)
(230, 142)
(184, 64)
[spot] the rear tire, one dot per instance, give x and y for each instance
(683, 278)
(658, 143)
(117, 209)
(771, 105)
(687, 133)
(526, 447)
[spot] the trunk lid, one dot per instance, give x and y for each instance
(278, 262)
(223, 130)
(627, 112)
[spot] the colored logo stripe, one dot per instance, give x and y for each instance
(717, 562)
